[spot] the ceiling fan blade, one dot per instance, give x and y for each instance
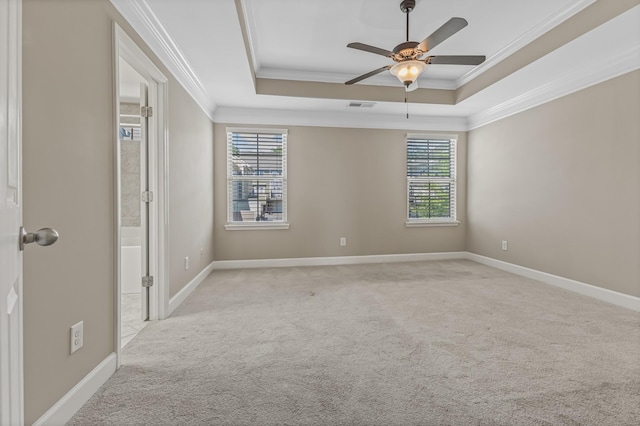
(371, 49)
(456, 60)
(451, 27)
(367, 75)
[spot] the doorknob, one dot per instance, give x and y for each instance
(43, 237)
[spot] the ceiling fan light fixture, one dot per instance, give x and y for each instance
(408, 71)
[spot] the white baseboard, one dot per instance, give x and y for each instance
(63, 410)
(189, 288)
(606, 295)
(610, 296)
(331, 261)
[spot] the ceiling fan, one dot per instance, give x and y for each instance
(409, 56)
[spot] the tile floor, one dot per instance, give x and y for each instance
(131, 322)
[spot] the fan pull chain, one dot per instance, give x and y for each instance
(406, 97)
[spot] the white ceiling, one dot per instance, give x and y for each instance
(202, 42)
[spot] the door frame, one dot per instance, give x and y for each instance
(124, 47)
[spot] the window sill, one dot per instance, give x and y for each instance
(420, 224)
(257, 226)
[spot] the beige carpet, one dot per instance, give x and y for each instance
(425, 343)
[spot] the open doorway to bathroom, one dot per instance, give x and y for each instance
(141, 173)
(134, 298)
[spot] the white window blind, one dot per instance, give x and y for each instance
(256, 177)
(431, 179)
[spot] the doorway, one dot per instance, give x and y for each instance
(133, 182)
(141, 293)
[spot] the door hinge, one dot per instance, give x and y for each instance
(146, 111)
(147, 196)
(147, 281)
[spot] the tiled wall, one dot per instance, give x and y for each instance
(130, 161)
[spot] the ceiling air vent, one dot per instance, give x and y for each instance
(361, 104)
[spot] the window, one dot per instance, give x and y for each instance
(256, 178)
(431, 180)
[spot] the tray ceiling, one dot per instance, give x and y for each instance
(285, 61)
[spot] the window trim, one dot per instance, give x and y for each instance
(435, 222)
(255, 226)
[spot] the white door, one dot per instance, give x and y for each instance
(11, 403)
(145, 198)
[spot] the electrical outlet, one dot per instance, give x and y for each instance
(343, 241)
(186, 263)
(505, 247)
(77, 336)
(201, 252)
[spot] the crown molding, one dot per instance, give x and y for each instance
(316, 76)
(545, 26)
(622, 62)
(625, 61)
(360, 120)
(250, 30)
(140, 16)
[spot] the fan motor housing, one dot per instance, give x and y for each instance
(406, 50)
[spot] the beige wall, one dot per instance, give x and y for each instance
(561, 183)
(190, 189)
(341, 182)
(69, 183)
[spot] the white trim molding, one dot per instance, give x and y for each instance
(332, 261)
(182, 295)
(569, 82)
(257, 226)
(252, 41)
(342, 119)
(600, 293)
(141, 17)
(577, 71)
(63, 410)
(545, 26)
(426, 224)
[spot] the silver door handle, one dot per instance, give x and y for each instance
(43, 237)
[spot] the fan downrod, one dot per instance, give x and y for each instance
(407, 6)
